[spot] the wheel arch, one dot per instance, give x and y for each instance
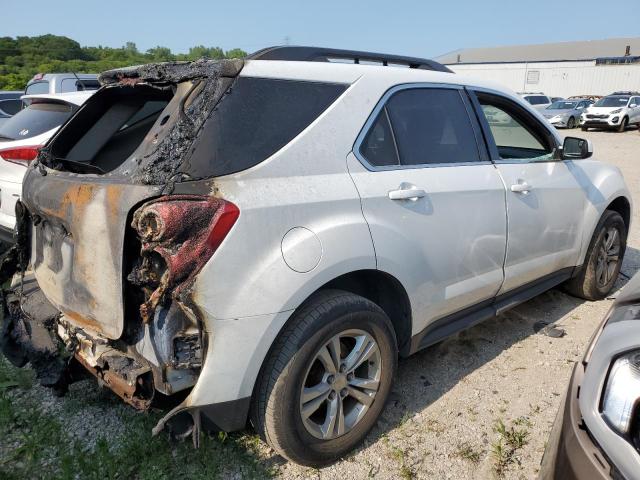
(621, 205)
(381, 288)
(387, 292)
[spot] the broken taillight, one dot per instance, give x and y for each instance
(185, 231)
(20, 155)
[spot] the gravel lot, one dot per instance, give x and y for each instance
(447, 401)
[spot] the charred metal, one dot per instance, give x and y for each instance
(162, 164)
(119, 300)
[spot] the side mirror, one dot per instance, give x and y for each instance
(579, 107)
(633, 105)
(575, 148)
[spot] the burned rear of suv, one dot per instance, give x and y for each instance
(118, 217)
(122, 212)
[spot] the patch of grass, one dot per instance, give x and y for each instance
(33, 444)
(505, 448)
(466, 451)
(406, 472)
(406, 416)
(435, 426)
(399, 455)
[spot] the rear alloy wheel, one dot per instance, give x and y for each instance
(623, 124)
(326, 379)
(603, 259)
(571, 123)
(341, 384)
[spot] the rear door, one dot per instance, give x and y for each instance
(545, 201)
(433, 200)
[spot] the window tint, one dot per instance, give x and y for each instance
(37, 118)
(255, 119)
(78, 85)
(516, 135)
(432, 126)
(38, 87)
(536, 100)
(378, 147)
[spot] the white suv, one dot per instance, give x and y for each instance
(615, 111)
(274, 233)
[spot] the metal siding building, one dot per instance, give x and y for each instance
(561, 69)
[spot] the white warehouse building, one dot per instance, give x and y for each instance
(596, 67)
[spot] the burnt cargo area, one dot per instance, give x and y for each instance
(108, 129)
(142, 124)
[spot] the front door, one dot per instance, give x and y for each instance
(545, 201)
(433, 201)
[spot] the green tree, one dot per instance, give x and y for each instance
(22, 57)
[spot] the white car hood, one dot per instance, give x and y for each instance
(602, 110)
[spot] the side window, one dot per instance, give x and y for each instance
(431, 126)
(378, 146)
(517, 135)
(636, 100)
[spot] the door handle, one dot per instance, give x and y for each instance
(521, 187)
(407, 194)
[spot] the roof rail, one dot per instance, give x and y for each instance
(317, 54)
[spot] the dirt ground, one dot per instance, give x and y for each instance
(479, 405)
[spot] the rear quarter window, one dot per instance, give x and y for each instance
(255, 119)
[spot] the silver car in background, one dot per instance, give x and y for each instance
(566, 113)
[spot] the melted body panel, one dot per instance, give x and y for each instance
(77, 243)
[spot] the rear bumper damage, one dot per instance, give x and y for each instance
(34, 332)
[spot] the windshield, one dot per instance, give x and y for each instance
(37, 118)
(562, 105)
(612, 102)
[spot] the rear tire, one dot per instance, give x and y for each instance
(603, 259)
(302, 362)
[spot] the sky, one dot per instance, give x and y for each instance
(417, 28)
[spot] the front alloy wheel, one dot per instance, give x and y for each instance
(602, 262)
(340, 384)
(608, 257)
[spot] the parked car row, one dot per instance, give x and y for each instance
(260, 240)
(616, 111)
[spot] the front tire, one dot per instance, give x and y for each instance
(571, 123)
(603, 259)
(326, 379)
(585, 129)
(623, 124)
